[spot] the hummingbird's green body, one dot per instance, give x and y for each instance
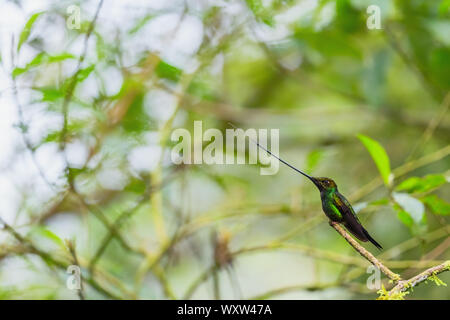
(338, 209)
(328, 205)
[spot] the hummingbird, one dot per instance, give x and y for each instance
(335, 206)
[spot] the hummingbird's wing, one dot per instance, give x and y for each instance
(351, 221)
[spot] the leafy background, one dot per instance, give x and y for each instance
(86, 118)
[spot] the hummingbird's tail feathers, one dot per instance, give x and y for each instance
(376, 244)
(360, 233)
(356, 229)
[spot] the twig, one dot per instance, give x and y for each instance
(71, 247)
(101, 216)
(114, 227)
(23, 127)
(402, 170)
(376, 182)
(366, 254)
(414, 65)
(310, 251)
(49, 259)
(74, 79)
(198, 281)
(406, 285)
(152, 262)
(404, 247)
(216, 284)
(434, 123)
(273, 245)
(159, 273)
(308, 287)
(401, 285)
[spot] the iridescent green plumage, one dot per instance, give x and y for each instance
(338, 209)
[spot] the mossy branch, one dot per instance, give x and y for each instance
(429, 274)
(402, 286)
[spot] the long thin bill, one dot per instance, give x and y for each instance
(279, 159)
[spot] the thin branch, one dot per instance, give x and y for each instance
(433, 124)
(274, 245)
(366, 254)
(74, 79)
(198, 281)
(402, 248)
(49, 259)
(152, 262)
(406, 285)
(101, 216)
(414, 64)
(114, 227)
(73, 253)
(308, 287)
(401, 285)
(160, 274)
(402, 170)
(23, 127)
(313, 252)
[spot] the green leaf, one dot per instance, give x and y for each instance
(74, 127)
(424, 184)
(348, 18)
(60, 57)
(84, 73)
(380, 202)
(405, 218)
(437, 205)
(27, 30)
(167, 71)
(444, 7)
(52, 137)
(40, 59)
(136, 119)
(18, 71)
(44, 232)
(141, 23)
(312, 159)
(202, 89)
(379, 156)
(261, 13)
(136, 185)
(50, 94)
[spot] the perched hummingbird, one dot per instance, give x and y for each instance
(334, 204)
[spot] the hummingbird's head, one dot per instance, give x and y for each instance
(325, 184)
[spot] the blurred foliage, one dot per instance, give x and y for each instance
(102, 101)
